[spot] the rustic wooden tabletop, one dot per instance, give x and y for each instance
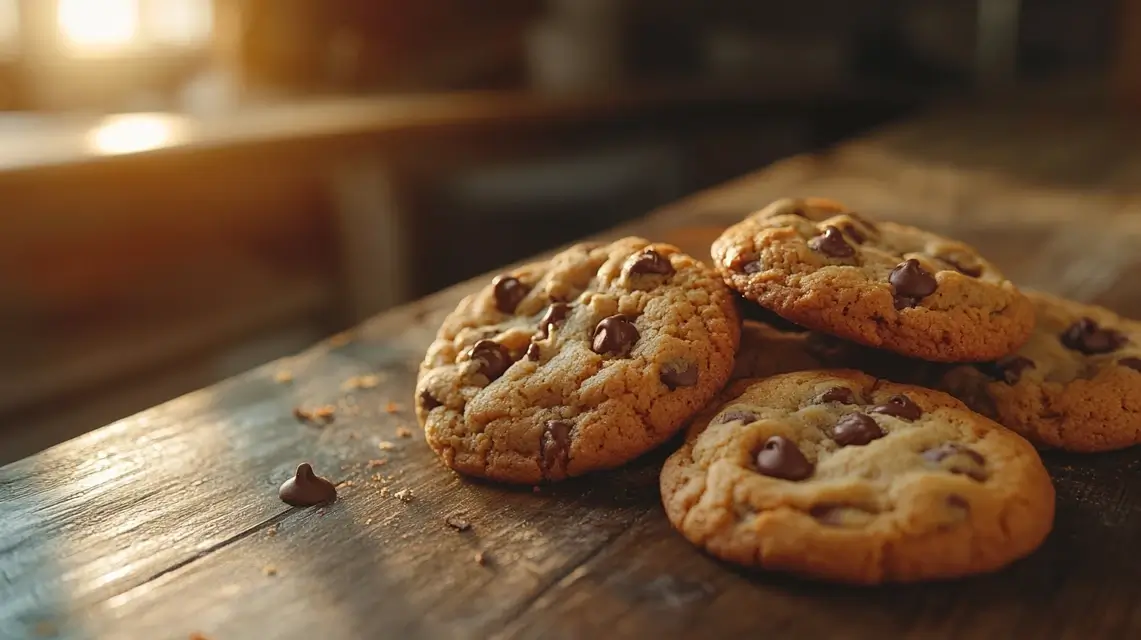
(168, 524)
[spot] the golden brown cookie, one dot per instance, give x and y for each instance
(839, 476)
(578, 363)
(884, 285)
(1075, 385)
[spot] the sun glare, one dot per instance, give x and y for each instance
(98, 23)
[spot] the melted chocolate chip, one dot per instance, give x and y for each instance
(1086, 336)
(428, 401)
(963, 265)
(910, 283)
(745, 417)
(752, 267)
(781, 458)
(843, 395)
(856, 430)
(957, 459)
(678, 374)
(554, 447)
(1008, 368)
(533, 353)
(554, 314)
(832, 243)
(899, 406)
(509, 292)
(1132, 363)
(650, 262)
(306, 488)
(615, 336)
(492, 358)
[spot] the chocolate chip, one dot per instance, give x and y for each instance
(752, 267)
(554, 314)
(649, 262)
(509, 292)
(781, 458)
(957, 459)
(491, 356)
(678, 374)
(910, 283)
(856, 430)
(899, 406)
(533, 352)
(1086, 336)
(1132, 363)
(832, 243)
(1007, 368)
(960, 263)
(428, 401)
(306, 489)
(554, 447)
(843, 395)
(745, 417)
(615, 335)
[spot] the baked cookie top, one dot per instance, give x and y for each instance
(1075, 385)
(578, 363)
(881, 284)
(840, 476)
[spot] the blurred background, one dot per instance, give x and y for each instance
(189, 188)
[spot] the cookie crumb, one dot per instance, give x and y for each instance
(346, 483)
(272, 531)
(404, 495)
(391, 407)
(372, 464)
(269, 570)
(385, 445)
(368, 522)
(480, 558)
(283, 377)
(457, 522)
(320, 512)
(403, 432)
(325, 412)
(361, 382)
(302, 415)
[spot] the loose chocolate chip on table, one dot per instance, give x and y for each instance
(509, 292)
(554, 314)
(492, 357)
(745, 417)
(533, 352)
(554, 447)
(1086, 336)
(899, 406)
(910, 283)
(958, 459)
(1132, 363)
(306, 488)
(843, 395)
(856, 430)
(832, 243)
(1008, 368)
(650, 262)
(678, 374)
(781, 458)
(615, 335)
(428, 401)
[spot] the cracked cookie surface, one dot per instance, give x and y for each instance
(1075, 385)
(575, 364)
(884, 285)
(839, 476)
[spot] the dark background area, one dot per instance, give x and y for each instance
(286, 168)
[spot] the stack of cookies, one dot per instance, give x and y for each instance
(874, 418)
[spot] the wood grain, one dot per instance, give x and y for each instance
(168, 523)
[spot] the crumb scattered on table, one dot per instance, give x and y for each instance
(345, 483)
(392, 407)
(283, 377)
(403, 432)
(323, 414)
(380, 462)
(362, 382)
(480, 558)
(404, 495)
(269, 570)
(272, 531)
(457, 522)
(385, 445)
(368, 522)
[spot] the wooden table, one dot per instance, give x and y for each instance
(168, 523)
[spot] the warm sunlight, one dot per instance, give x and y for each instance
(96, 24)
(132, 133)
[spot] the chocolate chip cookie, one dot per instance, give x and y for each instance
(839, 476)
(1075, 385)
(885, 285)
(578, 363)
(767, 350)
